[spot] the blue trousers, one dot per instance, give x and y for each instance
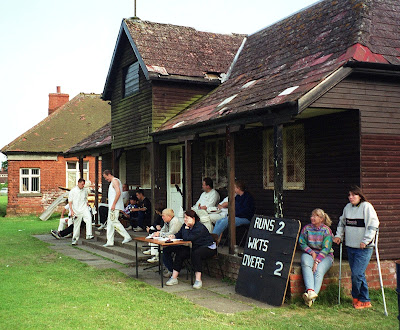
(222, 224)
(314, 280)
(358, 261)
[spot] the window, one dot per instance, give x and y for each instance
(73, 173)
(29, 180)
(293, 158)
(215, 165)
(131, 79)
(145, 169)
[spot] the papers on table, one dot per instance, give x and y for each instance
(163, 239)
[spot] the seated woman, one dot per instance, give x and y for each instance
(316, 241)
(203, 247)
(244, 209)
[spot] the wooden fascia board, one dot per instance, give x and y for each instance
(123, 29)
(323, 87)
(136, 51)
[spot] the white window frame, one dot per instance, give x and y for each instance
(131, 79)
(218, 180)
(30, 176)
(77, 171)
(268, 180)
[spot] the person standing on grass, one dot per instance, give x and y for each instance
(358, 224)
(78, 205)
(316, 242)
(115, 205)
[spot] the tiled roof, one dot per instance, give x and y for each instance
(99, 139)
(181, 50)
(64, 128)
(283, 62)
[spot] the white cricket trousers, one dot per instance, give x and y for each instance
(114, 224)
(64, 223)
(77, 225)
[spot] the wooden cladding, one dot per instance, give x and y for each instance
(380, 164)
(170, 98)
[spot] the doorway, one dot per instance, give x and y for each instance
(174, 178)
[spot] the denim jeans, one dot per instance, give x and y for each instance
(314, 280)
(358, 261)
(222, 224)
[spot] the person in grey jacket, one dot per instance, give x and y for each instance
(171, 226)
(358, 224)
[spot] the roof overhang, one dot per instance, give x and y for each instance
(281, 113)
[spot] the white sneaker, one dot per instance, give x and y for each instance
(129, 228)
(172, 281)
(102, 226)
(197, 284)
(147, 252)
(153, 260)
(138, 229)
(74, 242)
(108, 245)
(126, 240)
(90, 237)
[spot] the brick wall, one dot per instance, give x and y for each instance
(231, 265)
(388, 268)
(52, 176)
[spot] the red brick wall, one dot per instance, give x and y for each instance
(388, 269)
(52, 175)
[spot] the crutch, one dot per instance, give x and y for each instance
(340, 268)
(379, 270)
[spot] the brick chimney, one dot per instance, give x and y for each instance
(56, 100)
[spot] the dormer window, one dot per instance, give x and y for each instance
(131, 79)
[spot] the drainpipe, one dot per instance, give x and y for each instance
(398, 288)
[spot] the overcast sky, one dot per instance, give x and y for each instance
(49, 43)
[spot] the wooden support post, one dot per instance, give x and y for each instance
(278, 170)
(154, 171)
(188, 195)
(80, 167)
(96, 189)
(230, 156)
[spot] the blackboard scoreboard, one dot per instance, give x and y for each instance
(267, 258)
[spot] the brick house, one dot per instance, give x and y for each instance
(36, 164)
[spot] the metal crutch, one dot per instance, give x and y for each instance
(379, 270)
(340, 268)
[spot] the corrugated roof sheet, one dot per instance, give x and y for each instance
(64, 128)
(301, 51)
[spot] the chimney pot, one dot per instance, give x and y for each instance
(57, 100)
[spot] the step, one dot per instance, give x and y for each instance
(92, 247)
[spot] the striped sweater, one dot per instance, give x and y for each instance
(318, 240)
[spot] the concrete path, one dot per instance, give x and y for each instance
(215, 295)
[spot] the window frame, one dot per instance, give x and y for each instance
(29, 176)
(77, 171)
(145, 169)
(220, 180)
(130, 81)
(268, 178)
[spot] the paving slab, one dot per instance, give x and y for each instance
(215, 295)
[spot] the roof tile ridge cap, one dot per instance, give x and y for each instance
(362, 33)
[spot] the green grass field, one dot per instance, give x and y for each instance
(40, 288)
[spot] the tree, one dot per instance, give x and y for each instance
(4, 165)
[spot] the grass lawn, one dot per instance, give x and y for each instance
(41, 288)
